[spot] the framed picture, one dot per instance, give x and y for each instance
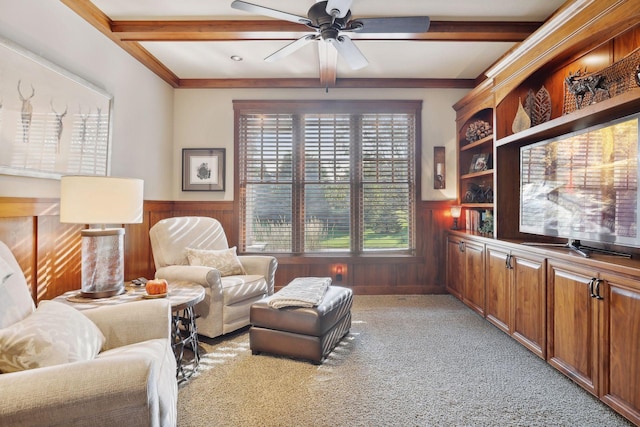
(472, 166)
(480, 162)
(203, 169)
(52, 122)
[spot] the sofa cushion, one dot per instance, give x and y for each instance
(225, 260)
(5, 271)
(16, 302)
(52, 335)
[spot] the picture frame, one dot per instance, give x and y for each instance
(480, 162)
(472, 165)
(203, 169)
(52, 122)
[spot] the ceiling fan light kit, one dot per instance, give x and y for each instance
(338, 8)
(331, 20)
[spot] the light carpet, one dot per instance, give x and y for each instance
(424, 360)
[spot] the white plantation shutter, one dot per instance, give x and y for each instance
(266, 159)
(322, 177)
(327, 182)
(387, 179)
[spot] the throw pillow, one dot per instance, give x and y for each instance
(5, 271)
(225, 260)
(54, 334)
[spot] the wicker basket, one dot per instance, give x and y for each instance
(618, 78)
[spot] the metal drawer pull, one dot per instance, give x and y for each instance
(507, 262)
(597, 289)
(591, 282)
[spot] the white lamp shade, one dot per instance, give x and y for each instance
(100, 200)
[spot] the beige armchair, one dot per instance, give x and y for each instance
(178, 242)
(130, 382)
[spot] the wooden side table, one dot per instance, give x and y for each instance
(183, 297)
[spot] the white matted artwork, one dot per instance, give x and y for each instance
(52, 123)
(203, 169)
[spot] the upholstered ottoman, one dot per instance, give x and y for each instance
(309, 333)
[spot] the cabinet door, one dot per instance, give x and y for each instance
(455, 267)
(620, 345)
(572, 332)
(528, 302)
(497, 288)
(474, 277)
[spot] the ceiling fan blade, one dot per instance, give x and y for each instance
(272, 13)
(291, 47)
(341, 6)
(401, 24)
(350, 52)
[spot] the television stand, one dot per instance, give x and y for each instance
(576, 246)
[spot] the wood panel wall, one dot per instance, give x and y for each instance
(50, 252)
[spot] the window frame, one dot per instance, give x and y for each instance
(413, 107)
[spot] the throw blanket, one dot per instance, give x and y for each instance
(301, 292)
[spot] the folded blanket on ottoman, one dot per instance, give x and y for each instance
(301, 292)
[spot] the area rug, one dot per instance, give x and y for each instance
(423, 360)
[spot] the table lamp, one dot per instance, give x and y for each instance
(99, 200)
(455, 214)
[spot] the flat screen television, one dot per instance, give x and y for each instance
(583, 185)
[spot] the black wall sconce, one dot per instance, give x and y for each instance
(439, 170)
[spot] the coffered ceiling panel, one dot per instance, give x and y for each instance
(212, 60)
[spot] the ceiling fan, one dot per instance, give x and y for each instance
(331, 21)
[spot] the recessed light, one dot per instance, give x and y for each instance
(236, 58)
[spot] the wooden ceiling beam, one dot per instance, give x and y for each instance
(366, 83)
(87, 10)
(226, 30)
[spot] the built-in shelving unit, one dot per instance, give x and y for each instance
(516, 286)
(552, 77)
(475, 167)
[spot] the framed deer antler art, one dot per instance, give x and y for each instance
(52, 122)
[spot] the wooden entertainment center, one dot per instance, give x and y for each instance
(581, 315)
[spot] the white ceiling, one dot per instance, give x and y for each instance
(387, 59)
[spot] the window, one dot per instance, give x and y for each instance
(322, 177)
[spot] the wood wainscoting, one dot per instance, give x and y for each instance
(50, 252)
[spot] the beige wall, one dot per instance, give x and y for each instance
(204, 118)
(143, 104)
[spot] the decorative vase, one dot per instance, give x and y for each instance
(522, 120)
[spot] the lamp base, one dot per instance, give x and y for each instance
(102, 294)
(102, 262)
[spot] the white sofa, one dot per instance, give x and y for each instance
(131, 381)
(229, 295)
